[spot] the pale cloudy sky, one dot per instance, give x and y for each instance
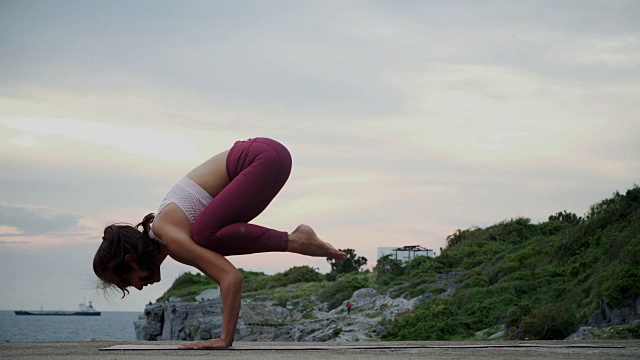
(407, 120)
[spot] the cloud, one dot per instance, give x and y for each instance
(3, 242)
(33, 220)
(9, 230)
(134, 140)
(612, 52)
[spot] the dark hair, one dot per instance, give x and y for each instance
(120, 240)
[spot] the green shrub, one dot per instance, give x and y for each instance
(388, 269)
(303, 273)
(477, 281)
(294, 275)
(434, 320)
(341, 290)
(552, 227)
(187, 286)
(550, 322)
(424, 267)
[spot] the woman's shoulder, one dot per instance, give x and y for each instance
(171, 220)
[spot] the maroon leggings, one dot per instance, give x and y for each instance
(257, 170)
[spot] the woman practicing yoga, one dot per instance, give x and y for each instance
(205, 217)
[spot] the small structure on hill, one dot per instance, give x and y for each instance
(405, 253)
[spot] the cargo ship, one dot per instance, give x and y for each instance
(84, 310)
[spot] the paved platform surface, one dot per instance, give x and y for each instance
(623, 349)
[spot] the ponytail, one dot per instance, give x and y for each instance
(146, 224)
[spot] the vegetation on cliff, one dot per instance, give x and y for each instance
(547, 277)
(187, 286)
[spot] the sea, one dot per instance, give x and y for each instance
(110, 325)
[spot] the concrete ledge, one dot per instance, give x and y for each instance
(623, 349)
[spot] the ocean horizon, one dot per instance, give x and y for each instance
(110, 325)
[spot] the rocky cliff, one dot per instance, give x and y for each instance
(261, 319)
(608, 323)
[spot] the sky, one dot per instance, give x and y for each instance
(407, 120)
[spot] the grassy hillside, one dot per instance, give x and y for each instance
(548, 277)
(297, 285)
(187, 286)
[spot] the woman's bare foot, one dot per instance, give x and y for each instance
(303, 240)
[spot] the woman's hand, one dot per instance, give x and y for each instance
(209, 344)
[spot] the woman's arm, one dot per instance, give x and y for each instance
(182, 248)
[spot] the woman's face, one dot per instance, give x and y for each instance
(139, 278)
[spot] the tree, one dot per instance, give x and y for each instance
(567, 217)
(388, 269)
(352, 263)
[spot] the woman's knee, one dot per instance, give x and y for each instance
(277, 156)
(283, 154)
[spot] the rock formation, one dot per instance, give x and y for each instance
(261, 319)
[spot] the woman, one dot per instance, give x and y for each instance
(204, 218)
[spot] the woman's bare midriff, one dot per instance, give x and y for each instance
(211, 175)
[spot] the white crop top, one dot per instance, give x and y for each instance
(189, 196)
